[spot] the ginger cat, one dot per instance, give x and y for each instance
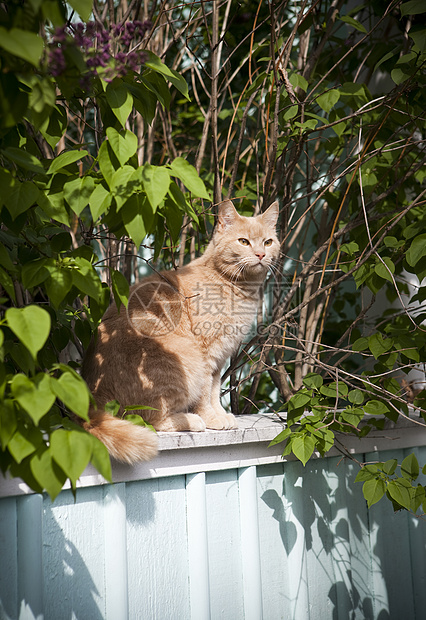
(167, 349)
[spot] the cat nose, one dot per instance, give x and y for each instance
(260, 254)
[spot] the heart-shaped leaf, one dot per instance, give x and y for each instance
(35, 396)
(77, 193)
(156, 182)
(72, 451)
(32, 326)
(124, 144)
(120, 100)
(72, 391)
(47, 472)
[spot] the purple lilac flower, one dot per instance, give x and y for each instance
(95, 43)
(56, 61)
(59, 34)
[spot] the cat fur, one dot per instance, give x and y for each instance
(167, 349)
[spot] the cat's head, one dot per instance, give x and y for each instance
(245, 247)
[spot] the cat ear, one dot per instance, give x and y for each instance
(227, 214)
(270, 216)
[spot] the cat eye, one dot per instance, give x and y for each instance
(244, 241)
(268, 242)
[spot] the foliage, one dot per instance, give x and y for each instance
(123, 130)
(66, 184)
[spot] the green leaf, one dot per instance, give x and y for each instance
(406, 346)
(120, 100)
(390, 466)
(47, 472)
(376, 407)
(298, 81)
(189, 177)
(54, 206)
(24, 442)
(124, 144)
(8, 422)
(332, 390)
(417, 250)
(35, 396)
(120, 288)
(303, 448)
(410, 467)
(24, 159)
(6, 260)
(22, 43)
(172, 76)
(139, 421)
(100, 458)
(360, 344)
(379, 345)
(328, 100)
(71, 449)
(281, 437)
(58, 285)
(419, 38)
(86, 279)
(291, 112)
(352, 415)
(414, 7)
(353, 22)
(123, 185)
(31, 325)
(7, 283)
(313, 381)
(373, 490)
(399, 490)
(83, 8)
(112, 407)
(133, 219)
(73, 392)
(99, 201)
(77, 193)
(300, 400)
(65, 159)
(368, 472)
(385, 270)
(20, 197)
(105, 163)
(356, 397)
(156, 182)
(35, 272)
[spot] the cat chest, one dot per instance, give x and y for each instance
(223, 315)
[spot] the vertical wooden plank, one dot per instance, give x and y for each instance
(250, 548)
(157, 549)
(417, 535)
(389, 535)
(116, 587)
(30, 567)
(361, 577)
(338, 515)
(73, 558)
(224, 545)
(300, 512)
(323, 515)
(9, 558)
(277, 537)
(198, 558)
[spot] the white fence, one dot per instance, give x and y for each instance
(217, 527)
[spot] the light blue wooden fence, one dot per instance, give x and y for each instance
(223, 531)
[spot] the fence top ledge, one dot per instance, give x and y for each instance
(186, 452)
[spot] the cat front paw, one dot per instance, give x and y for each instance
(220, 422)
